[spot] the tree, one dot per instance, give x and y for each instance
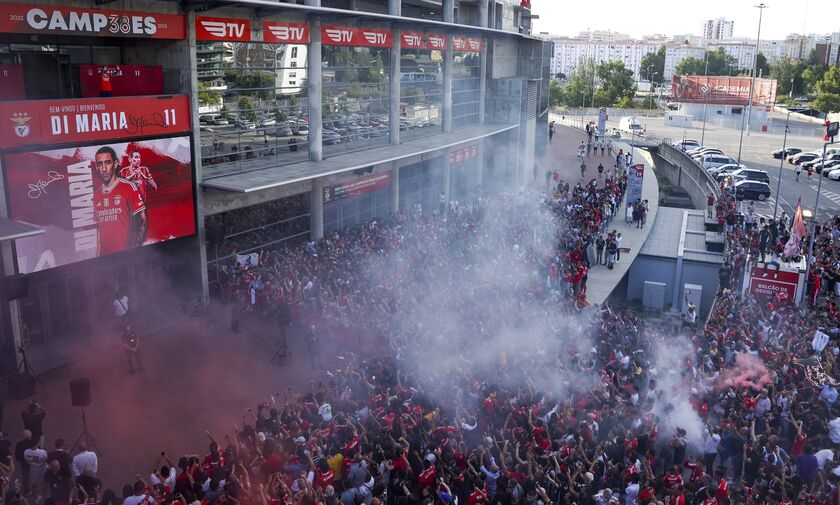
(259, 84)
(788, 73)
(828, 96)
(811, 76)
(555, 94)
(719, 63)
(246, 108)
(579, 89)
(762, 68)
(206, 97)
(655, 64)
(616, 82)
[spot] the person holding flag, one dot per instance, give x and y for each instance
(797, 232)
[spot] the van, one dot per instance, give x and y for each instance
(716, 160)
(630, 125)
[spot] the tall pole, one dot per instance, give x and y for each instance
(816, 220)
(781, 165)
(706, 101)
(761, 8)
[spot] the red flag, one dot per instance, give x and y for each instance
(797, 232)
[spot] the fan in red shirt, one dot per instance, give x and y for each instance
(118, 207)
(479, 494)
(673, 479)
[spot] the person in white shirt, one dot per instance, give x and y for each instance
(631, 492)
(823, 457)
(85, 458)
(834, 430)
(139, 495)
(37, 460)
(710, 449)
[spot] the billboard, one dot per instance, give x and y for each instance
(77, 120)
(285, 33)
(356, 187)
(721, 90)
(463, 154)
(91, 204)
(126, 80)
(467, 44)
(635, 182)
(237, 30)
(348, 36)
(418, 40)
(58, 20)
(766, 282)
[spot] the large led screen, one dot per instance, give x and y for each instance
(102, 199)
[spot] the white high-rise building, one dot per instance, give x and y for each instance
(718, 29)
(570, 53)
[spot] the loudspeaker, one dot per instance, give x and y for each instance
(215, 233)
(16, 286)
(80, 392)
(22, 386)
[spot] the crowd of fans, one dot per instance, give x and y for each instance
(498, 384)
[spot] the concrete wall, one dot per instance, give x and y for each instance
(657, 269)
(682, 171)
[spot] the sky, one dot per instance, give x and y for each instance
(560, 17)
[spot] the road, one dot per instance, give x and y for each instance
(755, 153)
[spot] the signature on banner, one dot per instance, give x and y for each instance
(40, 187)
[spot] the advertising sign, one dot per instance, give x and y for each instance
(463, 154)
(101, 199)
(467, 44)
(236, 30)
(356, 187)
(347, 36)
(126, 80)
(11, 82)
(285, 33)
(635, 180)
(46, 122)
(721, 90)
(782, 283)
(418, 40)
(58, 20)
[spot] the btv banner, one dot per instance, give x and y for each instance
(101, 199)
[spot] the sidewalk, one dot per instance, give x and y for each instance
(562, 156)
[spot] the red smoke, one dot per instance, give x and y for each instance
(749, 372)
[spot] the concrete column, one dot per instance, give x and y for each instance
(447, 89)
(446, 174)
(479, 161)
(448, 9)
(483, 11)
(316, 210)
(394, 109)
(316, 148)
(395, 7)
(482, 82)
(491, 22)
(12, 324)
(200, 237)
(394, 190)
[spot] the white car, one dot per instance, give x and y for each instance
(729, 167)
(687, 145)
(834, 175)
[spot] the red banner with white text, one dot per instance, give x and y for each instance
(467, 44)
(722, 90)
(285, 33)
(334, 35)
(418, 40)
(101, 199)
(58, 20)
(49, 122)
(126, 80)
(229, 29)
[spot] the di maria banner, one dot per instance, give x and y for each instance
(101, 199)
(78, 120)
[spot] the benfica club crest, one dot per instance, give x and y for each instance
(117, 199)
(21, 126)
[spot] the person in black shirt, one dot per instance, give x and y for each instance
(60, 455)
(89, 483)
(58, 483)
(33, 419)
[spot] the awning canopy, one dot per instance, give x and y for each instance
(13, 230)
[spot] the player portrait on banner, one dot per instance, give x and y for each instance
(101, 199)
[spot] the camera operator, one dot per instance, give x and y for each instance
(33, 419)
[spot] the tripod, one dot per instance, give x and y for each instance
(282, 348)
(90, 442)
(25, 367)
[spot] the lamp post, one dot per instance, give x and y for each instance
(760, 8)
(781, 165)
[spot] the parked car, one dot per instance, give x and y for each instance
(283, 131)
(701, 150)
(751, 174)
(247, 125)
(220, 121)
(752, 190)
(828, 167)
(613, 133)
(789, 151)
(330, 137)
(705, 152)
(301, 129)
(687, 144)
(799, 158)
(817, 163)
(716, 160)
(834, 175)
(729, 168)
(268, 121)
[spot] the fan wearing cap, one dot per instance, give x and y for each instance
(428, 476)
